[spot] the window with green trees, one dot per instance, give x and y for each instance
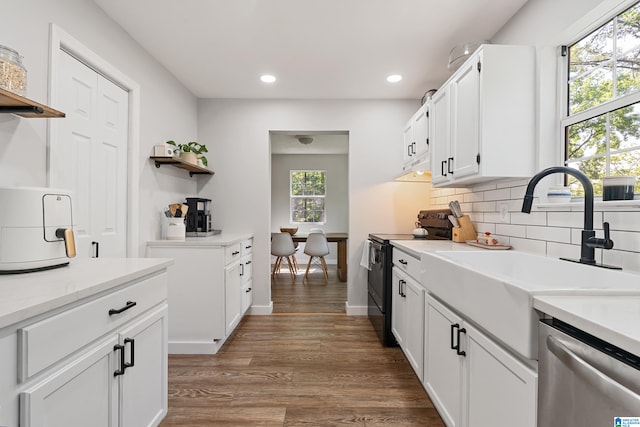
(308, 191)
(602, 118)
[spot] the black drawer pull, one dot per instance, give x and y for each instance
(403, 262)
(133, 357)
(234, 253)
(458, 351)
(123, 365)
(248, 247)
(125, 308)
(455, 347)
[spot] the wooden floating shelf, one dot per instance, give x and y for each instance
(25, 107)
(193, 169)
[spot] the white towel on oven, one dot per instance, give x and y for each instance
(365, 260)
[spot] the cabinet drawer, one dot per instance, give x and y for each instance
(231, 253)
(407, 263)
(246, 247)
(44, 343)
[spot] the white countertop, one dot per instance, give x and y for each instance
(419, 246)
(222, 239)
(29, 294)
(614, 319)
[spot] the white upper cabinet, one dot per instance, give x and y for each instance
(482, 120)
(416, 140)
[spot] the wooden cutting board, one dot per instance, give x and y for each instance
(482, 245)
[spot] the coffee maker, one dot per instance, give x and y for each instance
(198, 219)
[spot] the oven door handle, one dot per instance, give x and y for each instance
(596, 378)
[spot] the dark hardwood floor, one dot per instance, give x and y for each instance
(308, 364)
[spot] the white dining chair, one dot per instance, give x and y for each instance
(317, 247)
(282, 247)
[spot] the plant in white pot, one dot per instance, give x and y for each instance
(191, 152)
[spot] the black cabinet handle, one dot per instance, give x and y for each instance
(427, 142)
(133, 356)
(123, 365)
(241, 270)
(458, 351)
(453, 328)
(409, 150)
(248, 262)
(403, 262)
(96, 249)
(234, 253)
(402, 285)
(442, 171)
(248, 290)
(248, 247)
(120, 310)
(449, 162)
(413, 148)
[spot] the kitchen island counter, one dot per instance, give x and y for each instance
(23, 296)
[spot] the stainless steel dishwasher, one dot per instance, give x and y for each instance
(584, 381)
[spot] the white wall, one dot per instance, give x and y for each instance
(551, 231)
(238, 133)
(336, 200)
(168, 110)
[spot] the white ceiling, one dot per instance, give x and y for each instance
(317, 49)
(323, 143)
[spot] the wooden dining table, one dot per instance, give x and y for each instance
(341, 240)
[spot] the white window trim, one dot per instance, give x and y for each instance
(599, 16)
(324, 196)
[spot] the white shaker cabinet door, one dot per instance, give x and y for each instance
(440, 135)
(143, 393)
(233, 296)
(82, 393)
(443, 366)
(465, 124)
(499, 387)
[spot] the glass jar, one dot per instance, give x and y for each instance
(13, 75)
(559, 194)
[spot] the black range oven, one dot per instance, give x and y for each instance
(438, 226)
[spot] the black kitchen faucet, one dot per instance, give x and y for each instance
(589, 239)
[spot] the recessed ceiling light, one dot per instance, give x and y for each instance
(268, 78)
(394, 78)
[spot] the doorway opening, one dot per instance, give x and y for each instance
(317, 156)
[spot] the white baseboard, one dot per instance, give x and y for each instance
(356, 310)
(261, 310)
(194, 347)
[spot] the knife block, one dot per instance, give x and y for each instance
(465, 231)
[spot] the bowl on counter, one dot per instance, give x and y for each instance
(290, 230)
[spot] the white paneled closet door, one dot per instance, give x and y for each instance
(89, 156)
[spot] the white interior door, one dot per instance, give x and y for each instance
(89, 157)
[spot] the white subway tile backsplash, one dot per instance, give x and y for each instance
(531, 246)
(473, 197)
(566, 219)
(534, 218)
(563, 250)
(492, 217)
(517, 192)
(625, 241)
(548, 230)
(551, 234)
(629, 261)
(484, 227)
(511, 230)
(628, 221)
(501, 194)
(484, 207)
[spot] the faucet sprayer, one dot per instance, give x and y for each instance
(589, 241)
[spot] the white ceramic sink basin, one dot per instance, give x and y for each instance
(495, 289)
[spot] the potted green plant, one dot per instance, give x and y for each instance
(191, 152)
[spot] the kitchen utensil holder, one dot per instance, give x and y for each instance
(466, 230)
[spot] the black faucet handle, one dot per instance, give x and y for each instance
(608, 243)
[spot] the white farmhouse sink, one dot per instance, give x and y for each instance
(495, 289)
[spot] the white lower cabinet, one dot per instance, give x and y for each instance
(210, 289)
(406, 318)
(471, 379)
(82, 393)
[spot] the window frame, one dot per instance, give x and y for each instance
(566, 119)
(292, 196)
